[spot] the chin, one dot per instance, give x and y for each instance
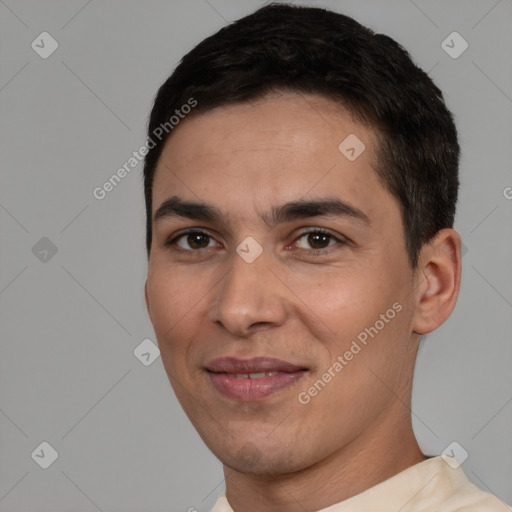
(251, 459)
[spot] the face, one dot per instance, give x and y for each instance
(294, 253)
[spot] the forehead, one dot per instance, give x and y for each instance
(280, 148)
(291, 119)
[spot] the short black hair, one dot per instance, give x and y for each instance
(283, 47)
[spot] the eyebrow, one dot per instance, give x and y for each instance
(293, 210)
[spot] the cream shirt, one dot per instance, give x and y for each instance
(430, 486)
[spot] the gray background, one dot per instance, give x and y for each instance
(71, 321)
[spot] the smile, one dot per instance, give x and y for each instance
(252, 379)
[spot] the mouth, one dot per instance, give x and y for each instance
(252, 379)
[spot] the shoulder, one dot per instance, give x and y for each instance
(474, 500)
(467, 497)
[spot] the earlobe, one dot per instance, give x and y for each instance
(439, 274)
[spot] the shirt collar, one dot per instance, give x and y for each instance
(422, 487)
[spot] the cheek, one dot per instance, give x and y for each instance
(347, 306)
(336, 302)
(175, 301)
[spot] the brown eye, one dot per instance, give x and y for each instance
(193, 241)
(316, 240)
(198, 240)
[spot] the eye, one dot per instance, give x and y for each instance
(193, 240)
(317, 240)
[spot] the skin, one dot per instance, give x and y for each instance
(204, 303)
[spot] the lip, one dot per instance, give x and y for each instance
(252, 365)
(222, 373)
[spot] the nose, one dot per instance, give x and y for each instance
(250, 298)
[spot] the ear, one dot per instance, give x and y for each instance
(438, 281)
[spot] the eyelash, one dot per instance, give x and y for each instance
(313, 252)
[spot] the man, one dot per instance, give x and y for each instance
(300, 191)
